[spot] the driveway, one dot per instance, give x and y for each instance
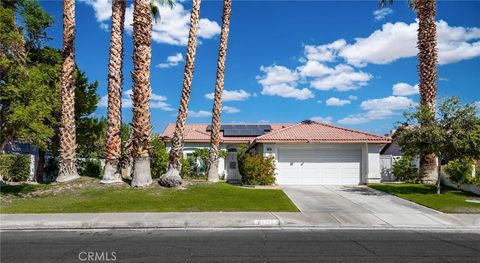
(349, 199)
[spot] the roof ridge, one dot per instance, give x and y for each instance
(277, 131)
(205, 133)
(347, 129)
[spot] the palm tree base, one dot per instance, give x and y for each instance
(213, 173)
(112, 174)
(141, 172)
(67, 172)
(171, 178)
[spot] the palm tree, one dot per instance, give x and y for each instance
(172, 177)
(67, 167)
(217, 103)
(113, 149)
(141, 128)
(427, 66)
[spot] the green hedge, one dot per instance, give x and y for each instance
(14, 167)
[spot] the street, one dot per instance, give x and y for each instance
(252, 245)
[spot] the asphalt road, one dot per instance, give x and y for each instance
(240, 246)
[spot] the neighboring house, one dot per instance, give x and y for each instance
(308, 152)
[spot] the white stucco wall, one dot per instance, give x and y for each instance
(190, 147)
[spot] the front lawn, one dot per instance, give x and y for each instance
(87, 195)
(449, 201)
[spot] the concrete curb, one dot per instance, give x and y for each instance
(236, 220)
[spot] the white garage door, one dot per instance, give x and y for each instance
(318, 166)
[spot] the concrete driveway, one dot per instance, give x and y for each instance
(349, 199)
(359, 206)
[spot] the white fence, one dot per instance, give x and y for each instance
(386, 164)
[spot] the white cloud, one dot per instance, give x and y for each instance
(327, 119)
(343, 78)
(324, 53)
(382, 46)
(382, 13)
(388, 103)
(156, 101)
(404, 89)
(281, 81)
(377, 109)
(172, 28)
(199, 114)
(102, 8)
(352, 97)
(172, 61)
(337, 102)
(314, 69)
(228, 109)
(231, 95)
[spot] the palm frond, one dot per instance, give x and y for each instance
(155, 12)
(169, 3)
(385, 3)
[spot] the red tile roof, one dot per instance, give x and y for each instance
(197, 132)
(312, 131)
(306, 131)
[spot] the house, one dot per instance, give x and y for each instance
(308, 152)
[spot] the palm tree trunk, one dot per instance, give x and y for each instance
(67, 167)
(217, 104)
(141, 128)
(113, 150)
(427, 69)
(172, 177)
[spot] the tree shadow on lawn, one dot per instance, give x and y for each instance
(20, 189)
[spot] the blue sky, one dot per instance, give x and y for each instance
(347, 63)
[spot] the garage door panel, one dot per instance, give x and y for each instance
(318, 166)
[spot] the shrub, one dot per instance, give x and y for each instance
(186, 170)
(158, 159)
(14, 167)
(404, 170)
(257, 170)
(90, 168)
(460, 171)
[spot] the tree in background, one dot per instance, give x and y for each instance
(172, 177)
(452, 133)
(217, 101)
(67, 168)
(426, 11)
(30, 89)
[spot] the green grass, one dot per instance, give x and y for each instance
(449, 201)
(202, 197)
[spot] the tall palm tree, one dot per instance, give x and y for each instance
(427, 67)
(113, 149)
(67, 167)
(141, 127)
(217, 103)
(113, 146)
(172, 177)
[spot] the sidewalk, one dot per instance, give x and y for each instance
(198, 220)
